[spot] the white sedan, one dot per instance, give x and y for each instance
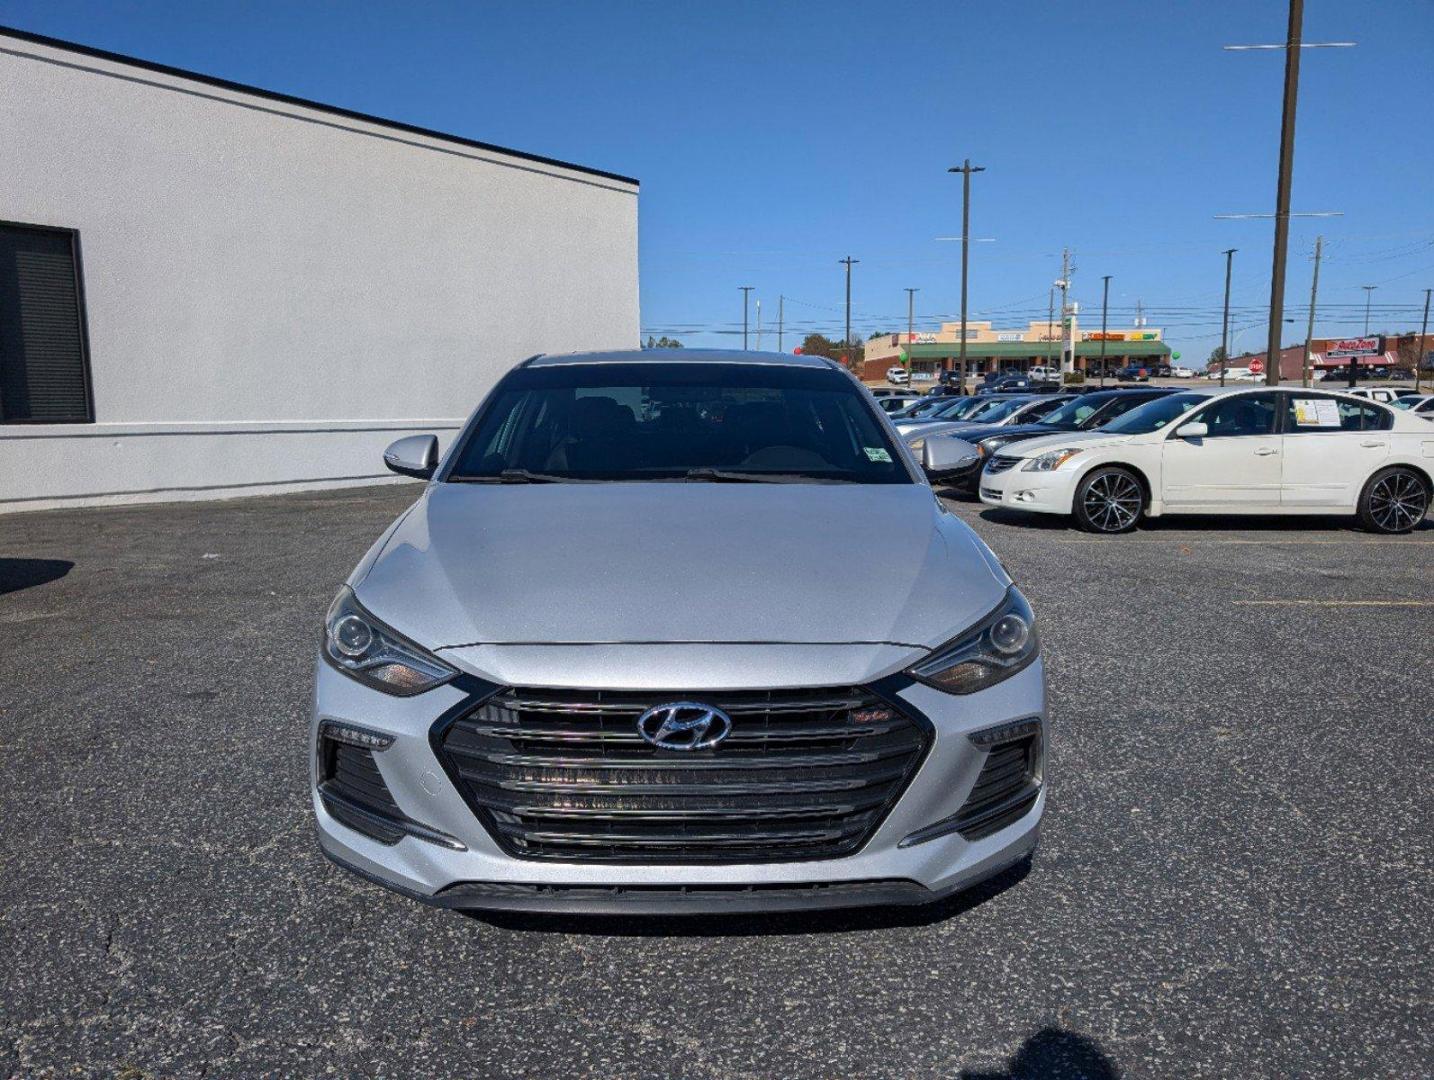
(1234, 451)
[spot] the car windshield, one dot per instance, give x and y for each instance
(996, 409)
(952, 409)
(680, 421)
(1404, 403)
(1154, 415)
(1072, 412)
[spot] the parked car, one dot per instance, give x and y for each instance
(898, 375)
(1022, 411)
(1018, 384)
(1418, 404)
(1242, 451)
(1382, 394)
(981, 407)
(1044, 373)
(1087, 412)
(894, 403)
(485, 729)
(1133, 373)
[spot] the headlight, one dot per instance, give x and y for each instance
(362, 647)
(997, 647)
(1050, 460)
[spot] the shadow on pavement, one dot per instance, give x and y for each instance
(17, 574)
(746, 925)
(1200, 523)
(1051, 1053)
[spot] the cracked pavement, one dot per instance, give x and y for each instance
(1234, 878)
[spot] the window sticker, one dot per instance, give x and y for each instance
(1316, 412)
(876, 453)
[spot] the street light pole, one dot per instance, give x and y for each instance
(746, 289)
(1104, 307)
(1354, 360)
(781, 301)
(1225, 323)
(1051, 328)
(848, 262)
(965, 169)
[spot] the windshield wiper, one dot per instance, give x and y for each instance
(518, 476)
(732, 476)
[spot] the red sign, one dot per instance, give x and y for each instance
(1359, 346)
(797, 351)
(1256, 366)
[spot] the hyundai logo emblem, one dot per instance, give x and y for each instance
(684, 725)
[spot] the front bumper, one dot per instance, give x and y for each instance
(467, 868)
(1038, 492)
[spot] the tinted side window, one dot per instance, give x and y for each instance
(1312, 414)
(1240, 414)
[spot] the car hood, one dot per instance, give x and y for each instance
(675, 562)
(1086, 440)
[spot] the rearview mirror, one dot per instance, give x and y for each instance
(944, 452)
(1193, 430)
(416, 455)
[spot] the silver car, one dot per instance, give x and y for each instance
(677, 632)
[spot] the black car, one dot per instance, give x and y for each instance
(1018, 384)
(1133, 373)
(1084, 412)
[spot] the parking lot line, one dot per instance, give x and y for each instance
(1334, 603)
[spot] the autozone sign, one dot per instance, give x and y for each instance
(1356, 346)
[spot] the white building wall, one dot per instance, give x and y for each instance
(274, 292)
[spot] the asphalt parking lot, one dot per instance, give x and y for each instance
(1234, 879)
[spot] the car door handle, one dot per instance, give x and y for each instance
(1265, 451)
(1373, 445)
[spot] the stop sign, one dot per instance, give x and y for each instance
(1256, 367)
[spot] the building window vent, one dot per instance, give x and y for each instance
(44, 363)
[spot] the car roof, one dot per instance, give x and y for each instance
(679, 356)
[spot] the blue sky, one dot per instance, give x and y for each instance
(772, 139)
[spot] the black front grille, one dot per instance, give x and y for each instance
(1001, 463)
(564, 774)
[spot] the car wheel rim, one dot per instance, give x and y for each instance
(1112, 502)
(1398, 502)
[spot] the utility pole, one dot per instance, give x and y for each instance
(910, 327)
(1225, 323)
(965, 169)
(759, 326)
(1419, 351)
(1309, 330)
(1282, 192)
(1051, 327)
(848, 262)
(745, 290)
(781, 302)
(1104, 307)
(1067, 329)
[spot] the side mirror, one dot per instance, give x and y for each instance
(1193, 430)
(416, 456)
(945, 452)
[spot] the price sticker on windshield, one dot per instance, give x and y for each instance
(876, 453)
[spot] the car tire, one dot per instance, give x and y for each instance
(1395, 500)
(1109, 500)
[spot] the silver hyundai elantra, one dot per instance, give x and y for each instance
(677, 632)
